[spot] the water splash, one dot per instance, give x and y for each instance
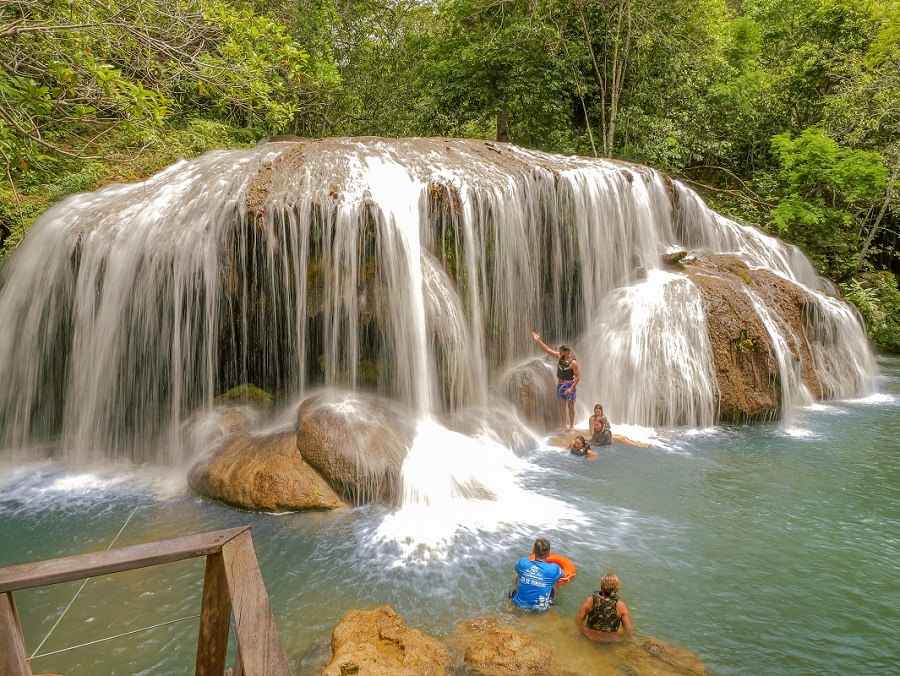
(454, 483)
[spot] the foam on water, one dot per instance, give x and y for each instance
(798, 433)
(453, 483)
(877, 399)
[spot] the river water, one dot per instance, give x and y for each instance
(762, 549)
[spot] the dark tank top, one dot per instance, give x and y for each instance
(603, 616)
(564, 370)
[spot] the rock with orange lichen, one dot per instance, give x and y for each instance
(378, 643)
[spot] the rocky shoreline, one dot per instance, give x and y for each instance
(378, 643)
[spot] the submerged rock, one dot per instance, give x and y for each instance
(494, 649)
(656, 658)
(378, 643)
(357, 442)
(261, 472)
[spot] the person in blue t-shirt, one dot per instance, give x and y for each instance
(537, 580)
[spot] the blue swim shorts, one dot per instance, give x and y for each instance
(561, 392)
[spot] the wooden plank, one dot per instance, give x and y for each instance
(13, 658)
(259, 645)
(215, 618)
(114, 560)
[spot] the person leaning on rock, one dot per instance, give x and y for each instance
(601, 432)
(537, 580)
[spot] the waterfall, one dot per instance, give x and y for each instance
(413, 268)
(647, 355)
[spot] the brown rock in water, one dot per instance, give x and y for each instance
(674, 258)
(656, 658)
(746, 365)
(358, 442)
(378, 643)
(494, 649)
(531, 387)
(746, 368)
(261, 472)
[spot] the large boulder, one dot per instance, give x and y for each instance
(491, 648)
(378, 643)
(747, 368)
(262, 472)
(531, 387)
(357, 441)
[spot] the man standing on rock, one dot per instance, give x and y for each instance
(537, 580)
(567, 377)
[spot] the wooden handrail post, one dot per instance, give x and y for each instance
(215, 617)
(13, 658)
(232, 583)
(260, 650)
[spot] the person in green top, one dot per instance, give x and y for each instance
(602, 614)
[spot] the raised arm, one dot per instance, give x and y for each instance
(546, 348)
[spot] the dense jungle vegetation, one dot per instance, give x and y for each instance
(782, 113)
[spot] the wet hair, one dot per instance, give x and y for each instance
(564, 348)
(541, 548)
(600, 406)
(609, 584)
(583, 442)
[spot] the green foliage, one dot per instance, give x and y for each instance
(784, 113)
(824, 193)
(878, 299)
(80, 79)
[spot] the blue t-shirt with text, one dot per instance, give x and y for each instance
(536, 580)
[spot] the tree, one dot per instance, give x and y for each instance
(828, 192)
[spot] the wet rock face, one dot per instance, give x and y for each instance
(262, 472)
(500, 424)
(531, 387)
(746, 365)
(358, 442)
(494, 649)
(378, 643)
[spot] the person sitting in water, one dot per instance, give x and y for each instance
(601, 431)
(567, 377)
(602, 614)
(536, 581)
(580, 447)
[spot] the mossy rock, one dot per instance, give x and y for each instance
(246, 395)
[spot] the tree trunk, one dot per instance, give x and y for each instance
(503, 124)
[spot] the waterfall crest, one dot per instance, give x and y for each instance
(414, 268)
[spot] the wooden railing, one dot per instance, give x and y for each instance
(232, 584)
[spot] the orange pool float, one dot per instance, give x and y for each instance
(568, 568)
